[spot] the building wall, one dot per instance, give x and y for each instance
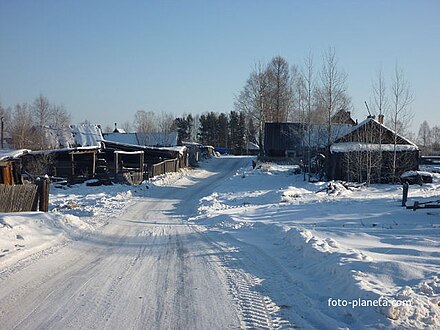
(280, 137)
(358, 166)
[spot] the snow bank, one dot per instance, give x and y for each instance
(22, 234)
(338, 241)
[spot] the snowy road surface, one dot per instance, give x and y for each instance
(224, 246)
(147, 269)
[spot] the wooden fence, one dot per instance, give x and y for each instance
(133, 178)
(18, 198)
(170, 165)
(25, 197)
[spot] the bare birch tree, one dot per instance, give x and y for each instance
(401, 114)
(165, 123)
(5, 117)
(22, 128)
(380, 98)
(280, 85)
(381, 107)
(309, 80)
(144, 121)
(42, 112)
(425, 136)
(435, 135)
(253, 100)
(333, 91)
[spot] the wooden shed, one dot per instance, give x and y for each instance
(372, 152)
(74, 164)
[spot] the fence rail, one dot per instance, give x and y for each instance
(170, 165)
(18, 198)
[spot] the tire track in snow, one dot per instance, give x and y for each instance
(257, 311)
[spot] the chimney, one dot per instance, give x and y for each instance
(381, 117)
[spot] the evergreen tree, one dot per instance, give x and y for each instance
(208, 130)
(222, 130)
(234, 131)
(241, 134)
(183, 129)
(190, 126)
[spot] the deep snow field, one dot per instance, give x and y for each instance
(309, 247)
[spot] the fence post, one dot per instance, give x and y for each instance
(405, 193)
(43, 194)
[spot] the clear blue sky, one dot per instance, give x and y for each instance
(104, 60)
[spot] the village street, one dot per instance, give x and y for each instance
(147, 269)
(223, 246)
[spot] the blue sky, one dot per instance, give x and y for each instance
(104, 60)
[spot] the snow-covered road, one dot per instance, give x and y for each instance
(147, 269)
(224, 246)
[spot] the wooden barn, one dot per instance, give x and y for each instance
(155, 160)
(371, 152)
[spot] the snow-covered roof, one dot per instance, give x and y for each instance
(252, 146)
(86, 135)
(139, 152)
(371, 119)
(179, 149)
(359, 146)
(319, 134)
(76, 149)
(6, 154)
(415, 173)
(158, 139)
(189, 143)
(59, 137)
(130, 138)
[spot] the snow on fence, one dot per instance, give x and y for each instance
(18, 198)
(171, 165)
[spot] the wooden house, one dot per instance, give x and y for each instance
(371, 152)
(295, 139)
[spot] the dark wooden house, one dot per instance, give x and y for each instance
(295, 140)
(371, 152)
(282, 139)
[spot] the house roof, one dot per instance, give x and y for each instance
(66, 150)
(319, 134)
(160, 139)
(130, 138)
(401, 139)
(252, 146)
(86, 135)
(7, 154)
(350, 141)
(144, 139)
(359, 146)
(159, 151)
(343, 117)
